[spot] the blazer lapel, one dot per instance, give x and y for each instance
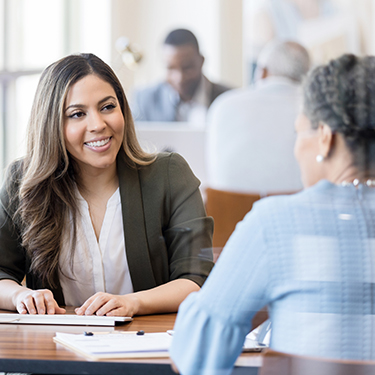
(134, 226)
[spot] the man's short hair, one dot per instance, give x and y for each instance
(181, 37)
(286, 59)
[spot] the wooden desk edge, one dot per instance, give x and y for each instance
(46, 358)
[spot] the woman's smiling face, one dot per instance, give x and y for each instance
(93, 123)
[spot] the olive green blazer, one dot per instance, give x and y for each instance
(167, 233)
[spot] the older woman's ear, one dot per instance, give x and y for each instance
(326, 139)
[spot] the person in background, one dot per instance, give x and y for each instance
(90, 218)
(309, 257)
(250, 133)
(268, 20)
(186, 93)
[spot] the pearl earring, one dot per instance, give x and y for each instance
(319, 158)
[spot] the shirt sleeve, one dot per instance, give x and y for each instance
(189, 232)
(212, 324)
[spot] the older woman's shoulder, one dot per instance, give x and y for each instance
(318, 193)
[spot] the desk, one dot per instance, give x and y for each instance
(30, 349)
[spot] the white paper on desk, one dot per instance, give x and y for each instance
(117, 345)
(63, 319)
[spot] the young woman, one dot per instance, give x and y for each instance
(90, 218)
(309, 257)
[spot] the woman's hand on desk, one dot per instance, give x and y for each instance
(13, 296)
(109, 304)
(161, 299)
(38, 301)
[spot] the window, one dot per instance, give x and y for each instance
(33, 35)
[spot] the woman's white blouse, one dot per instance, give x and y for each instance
(98, 266)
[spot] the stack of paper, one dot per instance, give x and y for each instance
(117, 345)
(127, 345)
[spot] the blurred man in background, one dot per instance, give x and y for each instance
(267, 20)
(186, 93)
(251, 131)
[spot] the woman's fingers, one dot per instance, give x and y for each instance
(109, 304)
(51, 305)
(29, 303)
(21, 308)
(38, 302)
(59, 310)
(92, 304)
(121, 311)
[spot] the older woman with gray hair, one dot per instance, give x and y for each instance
(309, 257)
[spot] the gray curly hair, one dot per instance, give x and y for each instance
(341, 94)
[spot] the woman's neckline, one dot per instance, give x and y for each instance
(356, 182)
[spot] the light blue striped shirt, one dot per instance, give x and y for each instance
(310, 258)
